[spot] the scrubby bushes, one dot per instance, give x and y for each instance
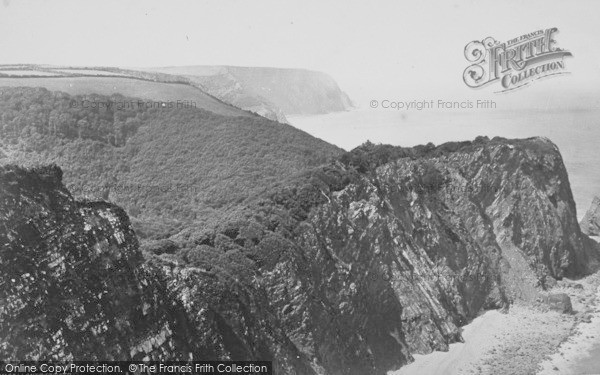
(369, 156)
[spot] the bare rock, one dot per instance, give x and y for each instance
(590, 224)
(388, 251)
(560, 302)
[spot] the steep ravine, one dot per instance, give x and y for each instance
(347, 269)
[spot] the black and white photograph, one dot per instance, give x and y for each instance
(300, 187)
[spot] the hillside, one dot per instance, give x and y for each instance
(129, 87)
(270, 92)
(165, 164)
(225, 90)
(347, 269)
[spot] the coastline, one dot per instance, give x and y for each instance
(578, 354)
(528, 339)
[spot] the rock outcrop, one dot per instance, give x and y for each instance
(560, 302)
(590, 224)
(73, 285)
(347, 269)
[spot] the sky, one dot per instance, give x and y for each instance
(404, 50)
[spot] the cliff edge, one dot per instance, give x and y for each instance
(349, 268)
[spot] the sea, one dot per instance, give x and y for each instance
(575, 132)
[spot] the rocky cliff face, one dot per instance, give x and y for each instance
(294, 91)
(400, 257)
(590, 224)
(73, 285)
(348, 269)
(62, 264)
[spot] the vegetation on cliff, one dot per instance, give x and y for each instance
(339, 270)
(165, 166)
(271, 244)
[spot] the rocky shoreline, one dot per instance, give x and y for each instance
(528, 339)
(572, 357)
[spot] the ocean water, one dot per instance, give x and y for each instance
(577, 134)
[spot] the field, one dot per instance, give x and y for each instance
(135, 88)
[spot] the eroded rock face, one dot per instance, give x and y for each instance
(341, 272)
(73, 285)
(590, 224)
(60, 265)
(401, 257)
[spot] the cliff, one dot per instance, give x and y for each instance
(349, 268)
(295, 91)
(74, 285)
(229, 89)
(270, 92)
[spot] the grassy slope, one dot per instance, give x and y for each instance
(130, 87)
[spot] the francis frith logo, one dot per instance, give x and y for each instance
(515, 63)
